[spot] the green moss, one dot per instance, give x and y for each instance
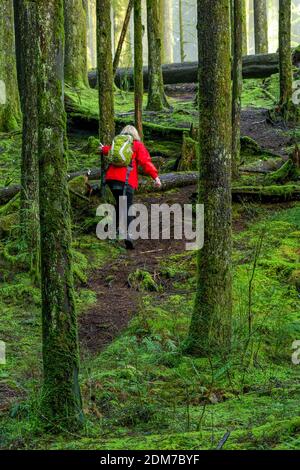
(143, 281)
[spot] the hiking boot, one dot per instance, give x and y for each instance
(129, 244)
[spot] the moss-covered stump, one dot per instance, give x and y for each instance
(142, 281)
(190, 154)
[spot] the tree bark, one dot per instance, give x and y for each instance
(285, 63)
(75, 43)
(181, 37)
(244, 27)
(105, 72)
(10, 115)
(120, 11)
(61, 397)
(237, 84)
(27, 65)
(168, 35)
(138, 67)
(156, 96)
(122, 36)
(260, 27)
(210, 328)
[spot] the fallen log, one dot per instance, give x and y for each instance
(286, 192)
(8, 192)
(254, 66)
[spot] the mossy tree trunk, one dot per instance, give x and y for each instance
(260, 26)
(138, 66)
(105, 72)
(210, 328)
(61, 398)
(10, 114)
(75, 44)
(156, 96)
(244, 27)
(287, 108)
(105, 77)
(27, 66)
(181, 36)
(237, 83)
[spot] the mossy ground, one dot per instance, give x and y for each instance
(142, 392)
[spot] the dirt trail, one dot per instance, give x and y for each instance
(117, 302)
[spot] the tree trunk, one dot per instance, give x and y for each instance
(260, 27)
(10, 115)
(237, 84)
(61, 396)
(119, 14)
(105, 72)
(156, 96)
(244, 27)
(91, 34)
(27, 65)
(285, 63)
(181, 37)
(75, 44)
(105, 77)
(138, 67)
(168, 35)
(122, 36)
(210, 327)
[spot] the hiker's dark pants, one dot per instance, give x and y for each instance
(117, 188)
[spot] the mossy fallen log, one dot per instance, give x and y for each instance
(272, 193)
(254, 66)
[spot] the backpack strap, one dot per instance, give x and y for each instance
(129, 169)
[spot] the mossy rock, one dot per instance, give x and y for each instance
(142, 281)
(7, 223)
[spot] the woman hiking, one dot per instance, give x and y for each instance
(126, 153)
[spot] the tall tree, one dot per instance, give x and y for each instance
(75, 43)
(156, 96)
(181, 36)
(244, 27)
(120, 16)
(124, 30)
(168, 36)
(210, 327)
(260, 26)
(237, 82)
(62, 399)
(27, 65)
(105, 72)
(285, 60)
(10, 115)
(138, 66)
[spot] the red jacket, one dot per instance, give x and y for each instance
(140, 157)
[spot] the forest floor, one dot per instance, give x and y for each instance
(140, 390)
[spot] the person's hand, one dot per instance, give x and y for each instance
(101, 147)
(157, 182)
